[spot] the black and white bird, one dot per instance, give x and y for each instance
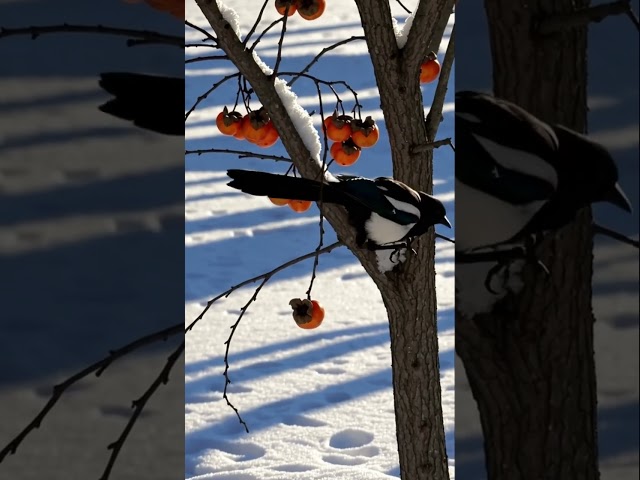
(383, 211)
(151, 102)
(517, 176)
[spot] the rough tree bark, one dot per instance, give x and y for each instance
(530, 361)
(408, 292)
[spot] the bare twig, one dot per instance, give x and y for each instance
(426, 147)
(240, 153)
(138, 406)
(206, 59)
(442, 237)
(434, 117)
(36, 31)
(584, 16)
(403, 7)
(280, 41)
(316, 260)
(209, 92)
(322, 52)
(264, 32)
(256, 23)
(98, 367)
(615, 235)
(268, 275)
(265, 277)
(207, 35)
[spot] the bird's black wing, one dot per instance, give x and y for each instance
(503, 150)
(367, 193)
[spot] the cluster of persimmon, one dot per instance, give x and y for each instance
(430, 68)
(350, 136)
(307, 314)
(307, 9)
(255, 127)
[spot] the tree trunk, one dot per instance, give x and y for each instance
(409, 291)
(530, 361)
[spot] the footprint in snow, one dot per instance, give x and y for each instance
(350, 438)
(329, 371)
(302, 421)
(343, 460)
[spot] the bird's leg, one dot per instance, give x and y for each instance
(503, 265)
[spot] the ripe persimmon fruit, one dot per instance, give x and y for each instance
(281, 6)
(299, 205)
(364, 133)
(281, 202)
(228, 123)
(430, 68)
(308, 314)
(338, 127)
(311, 9)
(254, 125)
(271, 137)
(345, 153)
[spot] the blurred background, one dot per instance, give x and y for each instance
(91, 245)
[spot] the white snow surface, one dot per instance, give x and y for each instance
(318, 403)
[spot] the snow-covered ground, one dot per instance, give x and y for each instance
(318, 403)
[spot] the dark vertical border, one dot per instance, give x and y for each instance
(91, 246)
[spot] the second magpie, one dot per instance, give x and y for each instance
(517, 176)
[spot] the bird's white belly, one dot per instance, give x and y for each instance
(483, 220)
(382, 231)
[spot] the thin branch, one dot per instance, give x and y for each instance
(256, 23)
(206, 59)
(264, 32)
(209, 92)
(98, 367)
(425, 35)
(584, 16)
(434, 116)
(615, 235)
(240, 153)
(442, 237)
(403, 7)
(426, 147)
(280, 42)
(36, 31)
(266, 275)
(322, 52)
(202, 30)
(138, 406)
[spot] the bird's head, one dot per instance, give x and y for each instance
(433, 211)
(592, 167)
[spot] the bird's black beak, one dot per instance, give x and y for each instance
(617, 197)
(445, 221)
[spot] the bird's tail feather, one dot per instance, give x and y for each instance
(281, 186)
(142, 99)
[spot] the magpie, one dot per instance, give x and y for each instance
(383, 211)
(151, 102)
(518, 177)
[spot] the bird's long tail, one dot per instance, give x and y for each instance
(281, 186)
(149, 101)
